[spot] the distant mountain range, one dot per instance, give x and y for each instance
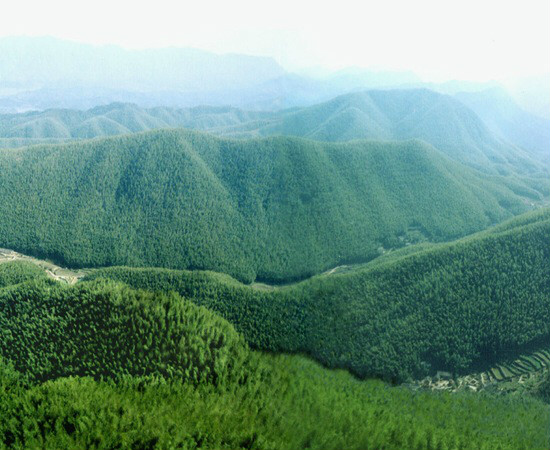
(42, 73)
(53, 62)
(506, 119)
(501, 138)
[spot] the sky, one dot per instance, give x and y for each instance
(439, 40)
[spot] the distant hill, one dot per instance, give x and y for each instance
(507, 119)
(46, 61)
(385, 114)
(274, 209)
(403, 114)
(118, 118)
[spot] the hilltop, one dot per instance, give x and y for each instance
(396, 114)
(274, 209)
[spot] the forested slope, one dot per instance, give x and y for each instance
(403, 114)
(456, 307)
(100, 365)
(272, 209)
(118, 118)
(19, 272)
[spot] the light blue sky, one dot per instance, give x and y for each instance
(469, 39)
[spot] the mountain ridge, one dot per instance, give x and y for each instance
(439, 119)
(275, 208)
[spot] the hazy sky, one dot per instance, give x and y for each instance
(468, 39)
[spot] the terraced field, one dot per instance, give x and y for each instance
(525, 368)
(524, 365)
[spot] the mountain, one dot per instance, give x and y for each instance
(506, 119)
(403, 114)
(43, 73)
(34, 61)
(275, 209)
(119, 118)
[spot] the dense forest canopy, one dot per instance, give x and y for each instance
(454, 307)
(370, 272)
(100, 365)
(274, 225)
(273, 209)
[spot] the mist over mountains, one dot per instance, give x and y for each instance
(38, 73)
(49, 61)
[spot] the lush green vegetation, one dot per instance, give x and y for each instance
(161, 358)
(524, 365)
(19, 272)
(144, 398)
(294, 404)
(107, 330)
(543, 390)
(455, 307)
(273, 209)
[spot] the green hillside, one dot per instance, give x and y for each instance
(107, 331)
(274, 209)
(455, 307)
(99, 365)
(19, 272)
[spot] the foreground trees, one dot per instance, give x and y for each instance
(154, 371)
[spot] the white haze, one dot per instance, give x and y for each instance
(438, 40)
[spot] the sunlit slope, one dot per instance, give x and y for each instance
(273, 209)
(81, 365)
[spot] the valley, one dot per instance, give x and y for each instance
(203, 250)
(53, 271)
(527, 369)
